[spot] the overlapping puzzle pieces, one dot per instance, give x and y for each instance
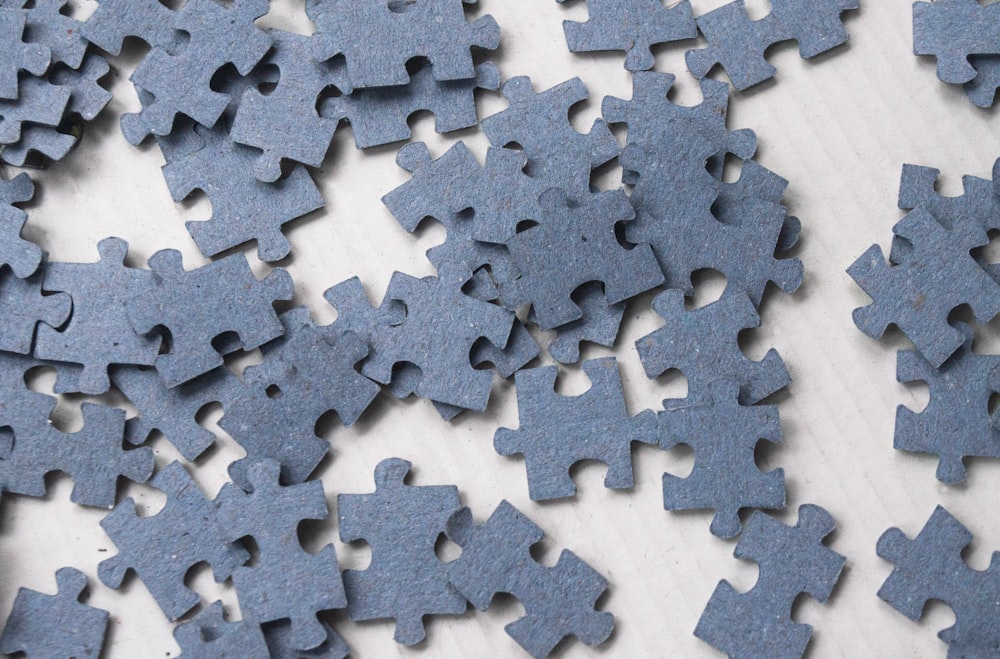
(21, 256)
(209, 635)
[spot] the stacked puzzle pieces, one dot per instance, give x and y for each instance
(247, 116)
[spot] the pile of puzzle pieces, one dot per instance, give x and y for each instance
(530, 244)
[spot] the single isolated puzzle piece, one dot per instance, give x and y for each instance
(918, 295)
(21, 256)
(558, 431)
(558, 601)
(573, 244)
(279, 643)
(174, 411)
(209, 635)
(405, 580)
(378, 38)
(634, 26)
(599, 324)
(739, 44)
(98, 333)
(243, 207)
(538, 122)
(16, 54)
(58, 625)
(23, 307)
(196, 306)
(160, 549)
(723, 435)
(931, 567)
(180, 79)
(379, 115)
(39, 103)
(791, 560)
(702, 344)
(285, 582)
(116, 20)
(49, 26)
(956, 422)
(952, 31)
(285, 124)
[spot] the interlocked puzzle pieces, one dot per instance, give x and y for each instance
(55, 625)
(401, 523)
(791, 560)
(931, 567)
(558, 601)
(558, 431)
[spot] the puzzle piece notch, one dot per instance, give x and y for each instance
(115, 20)
(377, 42)
(286, 581)
(209, 635)
(952, 31)
(21, 256)
(739, 44)
(57, 625)
(931, 567)
(703, 345)
(16, 53)
(558, 601)
(198, 305)
(401, 523)
(161, 548)
(724, 436)
(558, 431)
(558, 155)
(792, 560)
(23, 308)
(633, 26)
(918, 295)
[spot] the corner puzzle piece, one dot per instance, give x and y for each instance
(599, 323)
(16, 54)
(558, 431)
(174, 411)
(285, 582)
(161, 548)
(557, 155)
(377, 38)
(558, 601)
(634, 26)
(703, 345)
(115, 20)
(23, 307)
(58, 625)
(279, 643)
(499, 193)
(210, 636)
(285, 124)
(982, 90)
(49, 26)
(931, 567)
(791, 560)
(196, 306)
(918, 294)
(243, 207)
(21, 256)
(724, 436)
(739, 44)
(379, 115)
(180, 81)
(439, 344)
(39, 102)
(98, 333)
(93, 457)
(951, 31)
(401, 523)
(956, 422)
(574, 244)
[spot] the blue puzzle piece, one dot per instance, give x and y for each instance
(210, 636)
(791, 560)
(401, 523)
(930, 567)
(982, 90)
(115, 20)
(558, 601)
(703, 345)
(723, 435)
(59, 32)
(951, 31)
(58, 625)
(39, 102)
(599, 324)
(16, 54)
(23, 307)
(21, 256)
(279, 643)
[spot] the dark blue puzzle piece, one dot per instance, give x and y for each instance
(210, 636)
(951, 31)
(599, 324)
(558, 601)
(930, 567)
(982, 90)
(791, 560)
(724, 436)
(401, 523)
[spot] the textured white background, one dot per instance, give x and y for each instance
(839, 128)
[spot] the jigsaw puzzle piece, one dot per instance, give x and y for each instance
(16, 54)
(279, 643)
(952, 31)
(599, 323)
(209, 635)
(23, 307)
(21, 256)
(115, 20)
(39, 102)
(57, 31)
(982, 90)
